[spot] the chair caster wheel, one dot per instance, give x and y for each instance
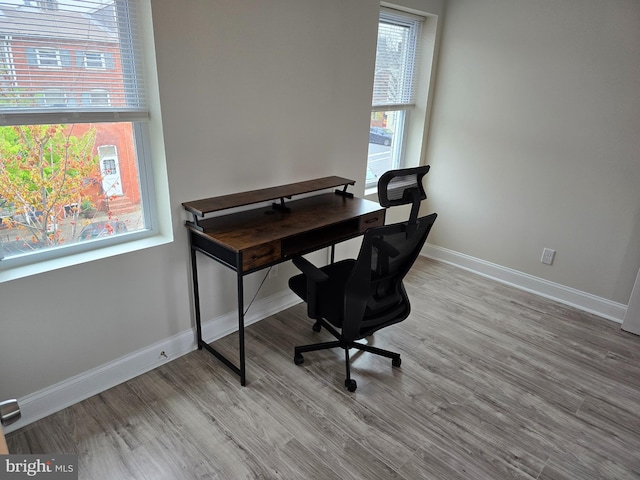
(351, 385)
(317, 327)
(298, 359)
(396, 362)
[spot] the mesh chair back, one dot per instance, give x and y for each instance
(375, 295)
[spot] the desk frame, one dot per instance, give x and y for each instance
(285, 231)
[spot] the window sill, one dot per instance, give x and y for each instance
(21, 271)
(371, 193)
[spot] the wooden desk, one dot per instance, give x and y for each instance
(250, 240)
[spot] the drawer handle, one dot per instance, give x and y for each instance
(266, 254)
(371, 220)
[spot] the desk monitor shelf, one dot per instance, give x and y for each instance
(200, 208)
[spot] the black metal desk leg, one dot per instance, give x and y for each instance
(196, 294)
(243, 379)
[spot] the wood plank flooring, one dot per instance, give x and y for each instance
(495, 383)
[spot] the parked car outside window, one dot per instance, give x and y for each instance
(380, 135)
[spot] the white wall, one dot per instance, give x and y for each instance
(254, 93)
(535, 139)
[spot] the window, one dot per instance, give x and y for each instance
(74, 175)
(53, 98)
(98, 98)
(394, 91)
(48, 58)
(94, 60)
(48, 4)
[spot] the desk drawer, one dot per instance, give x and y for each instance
(369, 220)
(259, 256)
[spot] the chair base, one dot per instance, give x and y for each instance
(349, 383)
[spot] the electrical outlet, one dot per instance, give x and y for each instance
(547, 256)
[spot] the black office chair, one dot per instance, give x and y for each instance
(360, 296)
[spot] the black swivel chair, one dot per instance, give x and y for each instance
(360, 296)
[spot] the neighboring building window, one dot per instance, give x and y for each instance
(48, 58)
(393, 91)
(48, 4)
(53, 98)
(6, 65)
(98, 98)
(74, 175)
(94, 60)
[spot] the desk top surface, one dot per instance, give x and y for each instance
(223, 202)
(247, 229)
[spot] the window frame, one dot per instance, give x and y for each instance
(404, 108)
(155, 231)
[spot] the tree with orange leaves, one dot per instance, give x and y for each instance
(44, 168)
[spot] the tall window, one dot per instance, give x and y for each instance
(71, 89)
(394, 91)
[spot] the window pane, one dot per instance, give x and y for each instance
(396, 55)
(48, 58)
(395, 81)
(94, 60)
(385, 144)
(65, 184)
(73, 116)
(79, 46)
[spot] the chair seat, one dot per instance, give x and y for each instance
(330, 293)
(330, 297)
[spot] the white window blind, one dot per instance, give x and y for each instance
(396, 69)
(73, 46)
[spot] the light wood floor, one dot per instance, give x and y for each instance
(495, 383)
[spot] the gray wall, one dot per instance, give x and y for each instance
(535, 139)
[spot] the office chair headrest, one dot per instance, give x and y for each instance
(403, 187)
(398, 187)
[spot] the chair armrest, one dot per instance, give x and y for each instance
(312, 272)
(314, 276)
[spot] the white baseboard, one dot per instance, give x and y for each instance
(560, 293)
(52, 399)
